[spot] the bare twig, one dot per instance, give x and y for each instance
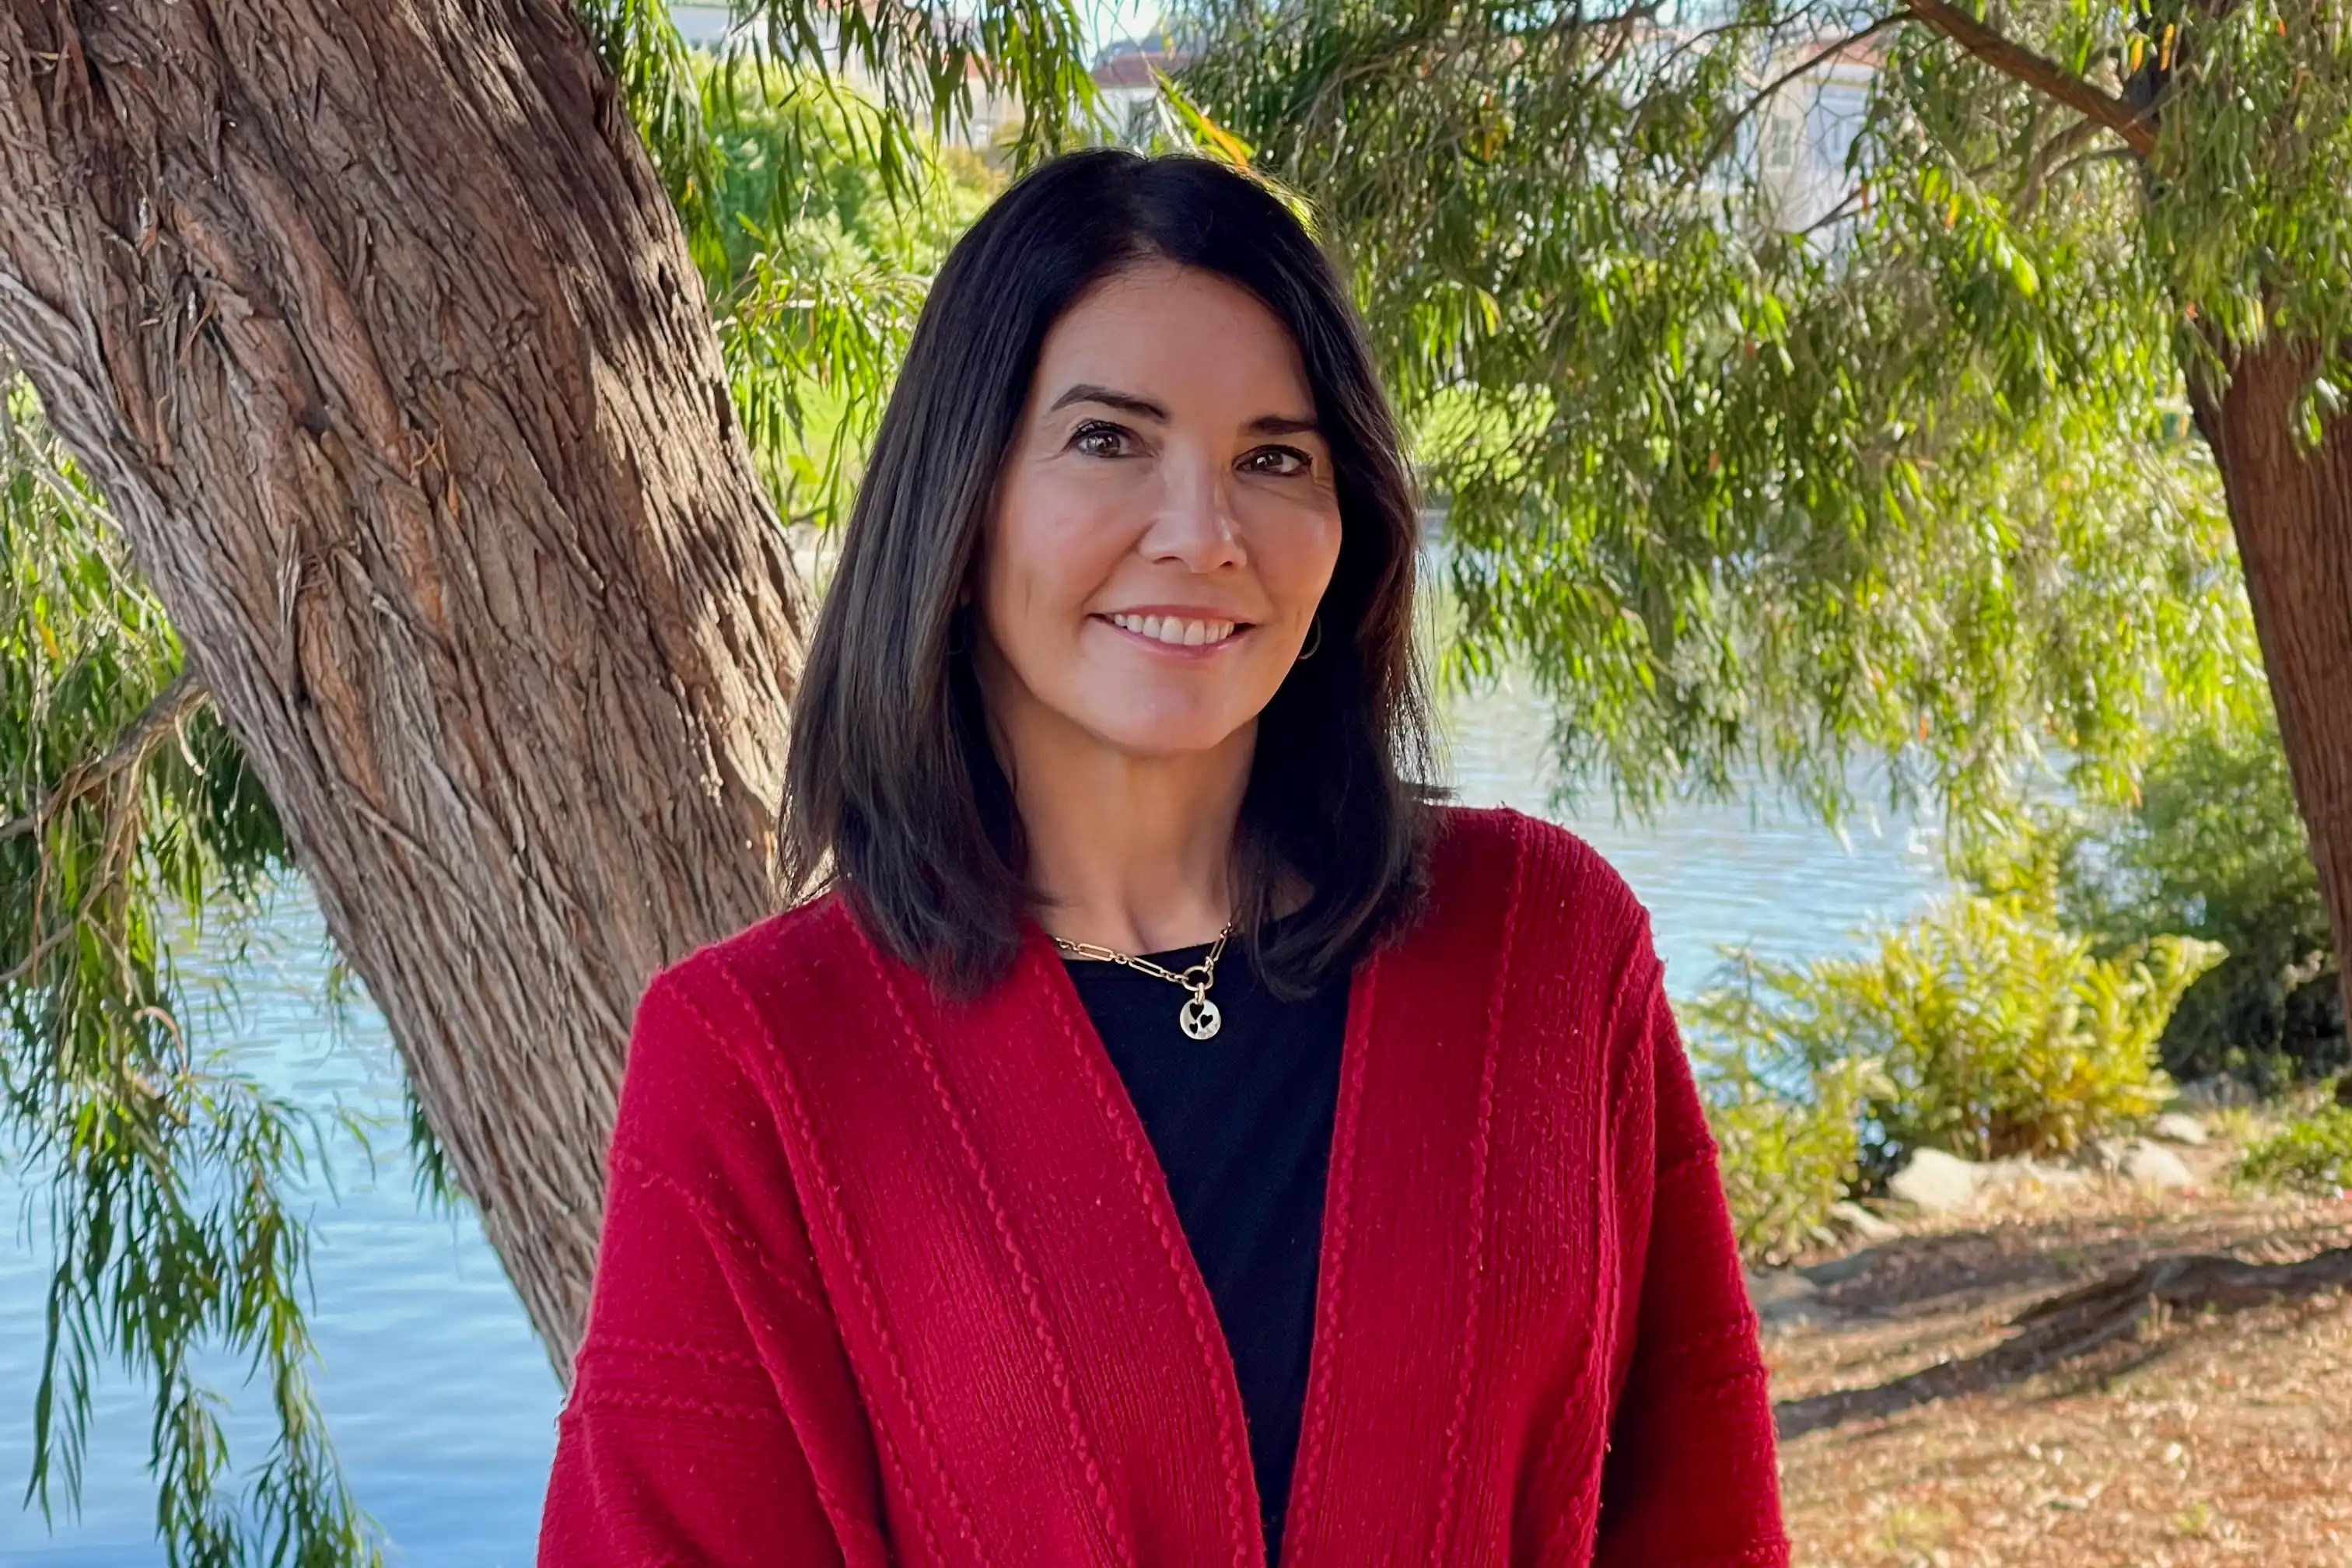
(1847, 207)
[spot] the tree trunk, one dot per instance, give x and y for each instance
(378, 331)
(2291, 510)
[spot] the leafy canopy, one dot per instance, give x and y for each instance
(1804, 390)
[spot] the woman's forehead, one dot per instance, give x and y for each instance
(1171, 338)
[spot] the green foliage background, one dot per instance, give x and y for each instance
(2214, 847)
(125, 805)
(2313, 1155)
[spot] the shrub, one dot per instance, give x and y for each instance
(2218, 849)
(2214, 847)
(2313, 1155)
(1787, 1155)
(1978, 1027)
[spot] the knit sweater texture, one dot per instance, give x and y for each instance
(887, 1279)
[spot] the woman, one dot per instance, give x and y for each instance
(974, 1211)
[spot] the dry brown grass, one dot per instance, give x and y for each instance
(2209, 1439)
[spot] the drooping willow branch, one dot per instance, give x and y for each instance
(172, 706)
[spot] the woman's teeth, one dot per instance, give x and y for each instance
(1169, 629)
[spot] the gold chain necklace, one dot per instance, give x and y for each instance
(1198, 1018)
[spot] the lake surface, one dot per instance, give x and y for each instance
(441, 1401)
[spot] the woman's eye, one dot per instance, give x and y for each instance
(1297, 461)
(1094, 431)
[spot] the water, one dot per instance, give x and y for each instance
(440, 1400)
(442, 1404)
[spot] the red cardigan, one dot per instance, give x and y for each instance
(889, 1280)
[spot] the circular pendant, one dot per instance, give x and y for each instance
(1198, 1017)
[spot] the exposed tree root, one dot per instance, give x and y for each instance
(2076, 1323)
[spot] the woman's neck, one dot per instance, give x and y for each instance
(1133, 853)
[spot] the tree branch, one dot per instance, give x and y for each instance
(2016, 61)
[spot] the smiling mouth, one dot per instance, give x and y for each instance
(1177, 632)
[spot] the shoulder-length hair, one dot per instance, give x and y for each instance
(893, 791)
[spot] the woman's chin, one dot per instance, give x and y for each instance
(1166, 736)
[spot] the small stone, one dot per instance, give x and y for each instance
(1862, 1223)
(2215, 1093)
(2151, 1164)
(2174, 1127)
(1937, 1183)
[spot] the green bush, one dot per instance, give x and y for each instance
(1978, 1027)
(2213, 847)
(2218, 849)
(1789, 1153)
(2313, 1155)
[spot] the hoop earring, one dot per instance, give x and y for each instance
(1314, 639)
(958, 621)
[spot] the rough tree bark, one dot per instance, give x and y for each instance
(379, 333)
(2291, 510)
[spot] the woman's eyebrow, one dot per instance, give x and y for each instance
(1086, 392)
(1143, 407)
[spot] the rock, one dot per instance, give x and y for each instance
(1937, 1183)
(2151, 1164)
(2198, 1095)
(1862, 1223)
(2176, 1127)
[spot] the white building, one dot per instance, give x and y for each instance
(1803, 134)
(1126, 85)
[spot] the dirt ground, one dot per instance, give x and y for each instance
(2209, 1438)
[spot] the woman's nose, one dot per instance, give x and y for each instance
(1194, 523)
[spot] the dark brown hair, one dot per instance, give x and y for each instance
(892, 790)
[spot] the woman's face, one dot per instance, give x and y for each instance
(1166, 522)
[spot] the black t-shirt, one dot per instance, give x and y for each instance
(1242, 1125)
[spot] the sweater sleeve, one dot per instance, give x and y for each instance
(1690, 1480)
(709, 1369)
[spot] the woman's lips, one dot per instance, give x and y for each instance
(1151, 631)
